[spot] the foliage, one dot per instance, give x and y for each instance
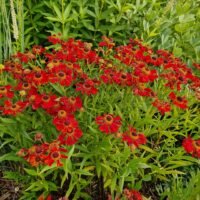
(171, 25)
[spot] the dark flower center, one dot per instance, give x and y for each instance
(37, 159)
(123, 76)
(67, 123)
(55, 155)
(2, 88)
(197, 143)
(181, 78)
(45, 98)
(61, 74)
(179, 98)
(87, 85)
(14, 106)
(133, 133)
(109, 118)
(25, 85)
(38, 75)
(72, 100)
(38, 149)
(62, 113)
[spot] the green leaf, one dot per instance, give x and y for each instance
(107, 183)
(31, 172)
(54, 19)
(46, 168)
(182, 27)
(11, 157)
(57, 10)
(67, 11)
(84, 172)
(106, 167)
(177, 51)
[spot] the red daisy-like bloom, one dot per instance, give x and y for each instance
(107, 42)
(87, 87)
(35, 155)
(62, 120)
(54, 39)
(71, 104)
(132, 194)
(55, 154)
(123, 79)
(45, 101)
(145, 75)
(108, 123)
(178, 101)
(162, 106)
(10, 108)
(70, 135)
(140, 90)
(38, 49)
(108, 75)
(5, 91)
(46, 153)
(192, 146)
(25, 86)
(133, 138)
(39, 77)
(25, 57)
(61, 74)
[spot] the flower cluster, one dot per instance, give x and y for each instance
(66, 70)
(46, 153)
(110, 124)
(132, 194)
(128, 194)
(192, 146)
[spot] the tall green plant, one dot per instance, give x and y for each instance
(5, 32)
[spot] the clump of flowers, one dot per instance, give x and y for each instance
(46, 153)
(192, 146)
(69, 85)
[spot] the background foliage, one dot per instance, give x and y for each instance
(172, 25)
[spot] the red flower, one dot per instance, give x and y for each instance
(37, 49)
(54, 39)
(132, 194)
(108, 75)
(70, 135)
(145, 75)
(141, 90)
(124, 79)
(134, 138)
(192, 146)
(35, 155)
(108, 123)
(62, 120)
(45, 101)
(71, 104)
(55, 154)
(87, 87)
(25, 87)
(178, 101)
(25, 57)
(10, 108)
(46, 153)
(37, 77)
(162, 106)
(5, 91)
(61, 74)
(107, 42)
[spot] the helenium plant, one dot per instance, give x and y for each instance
(102, 122)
